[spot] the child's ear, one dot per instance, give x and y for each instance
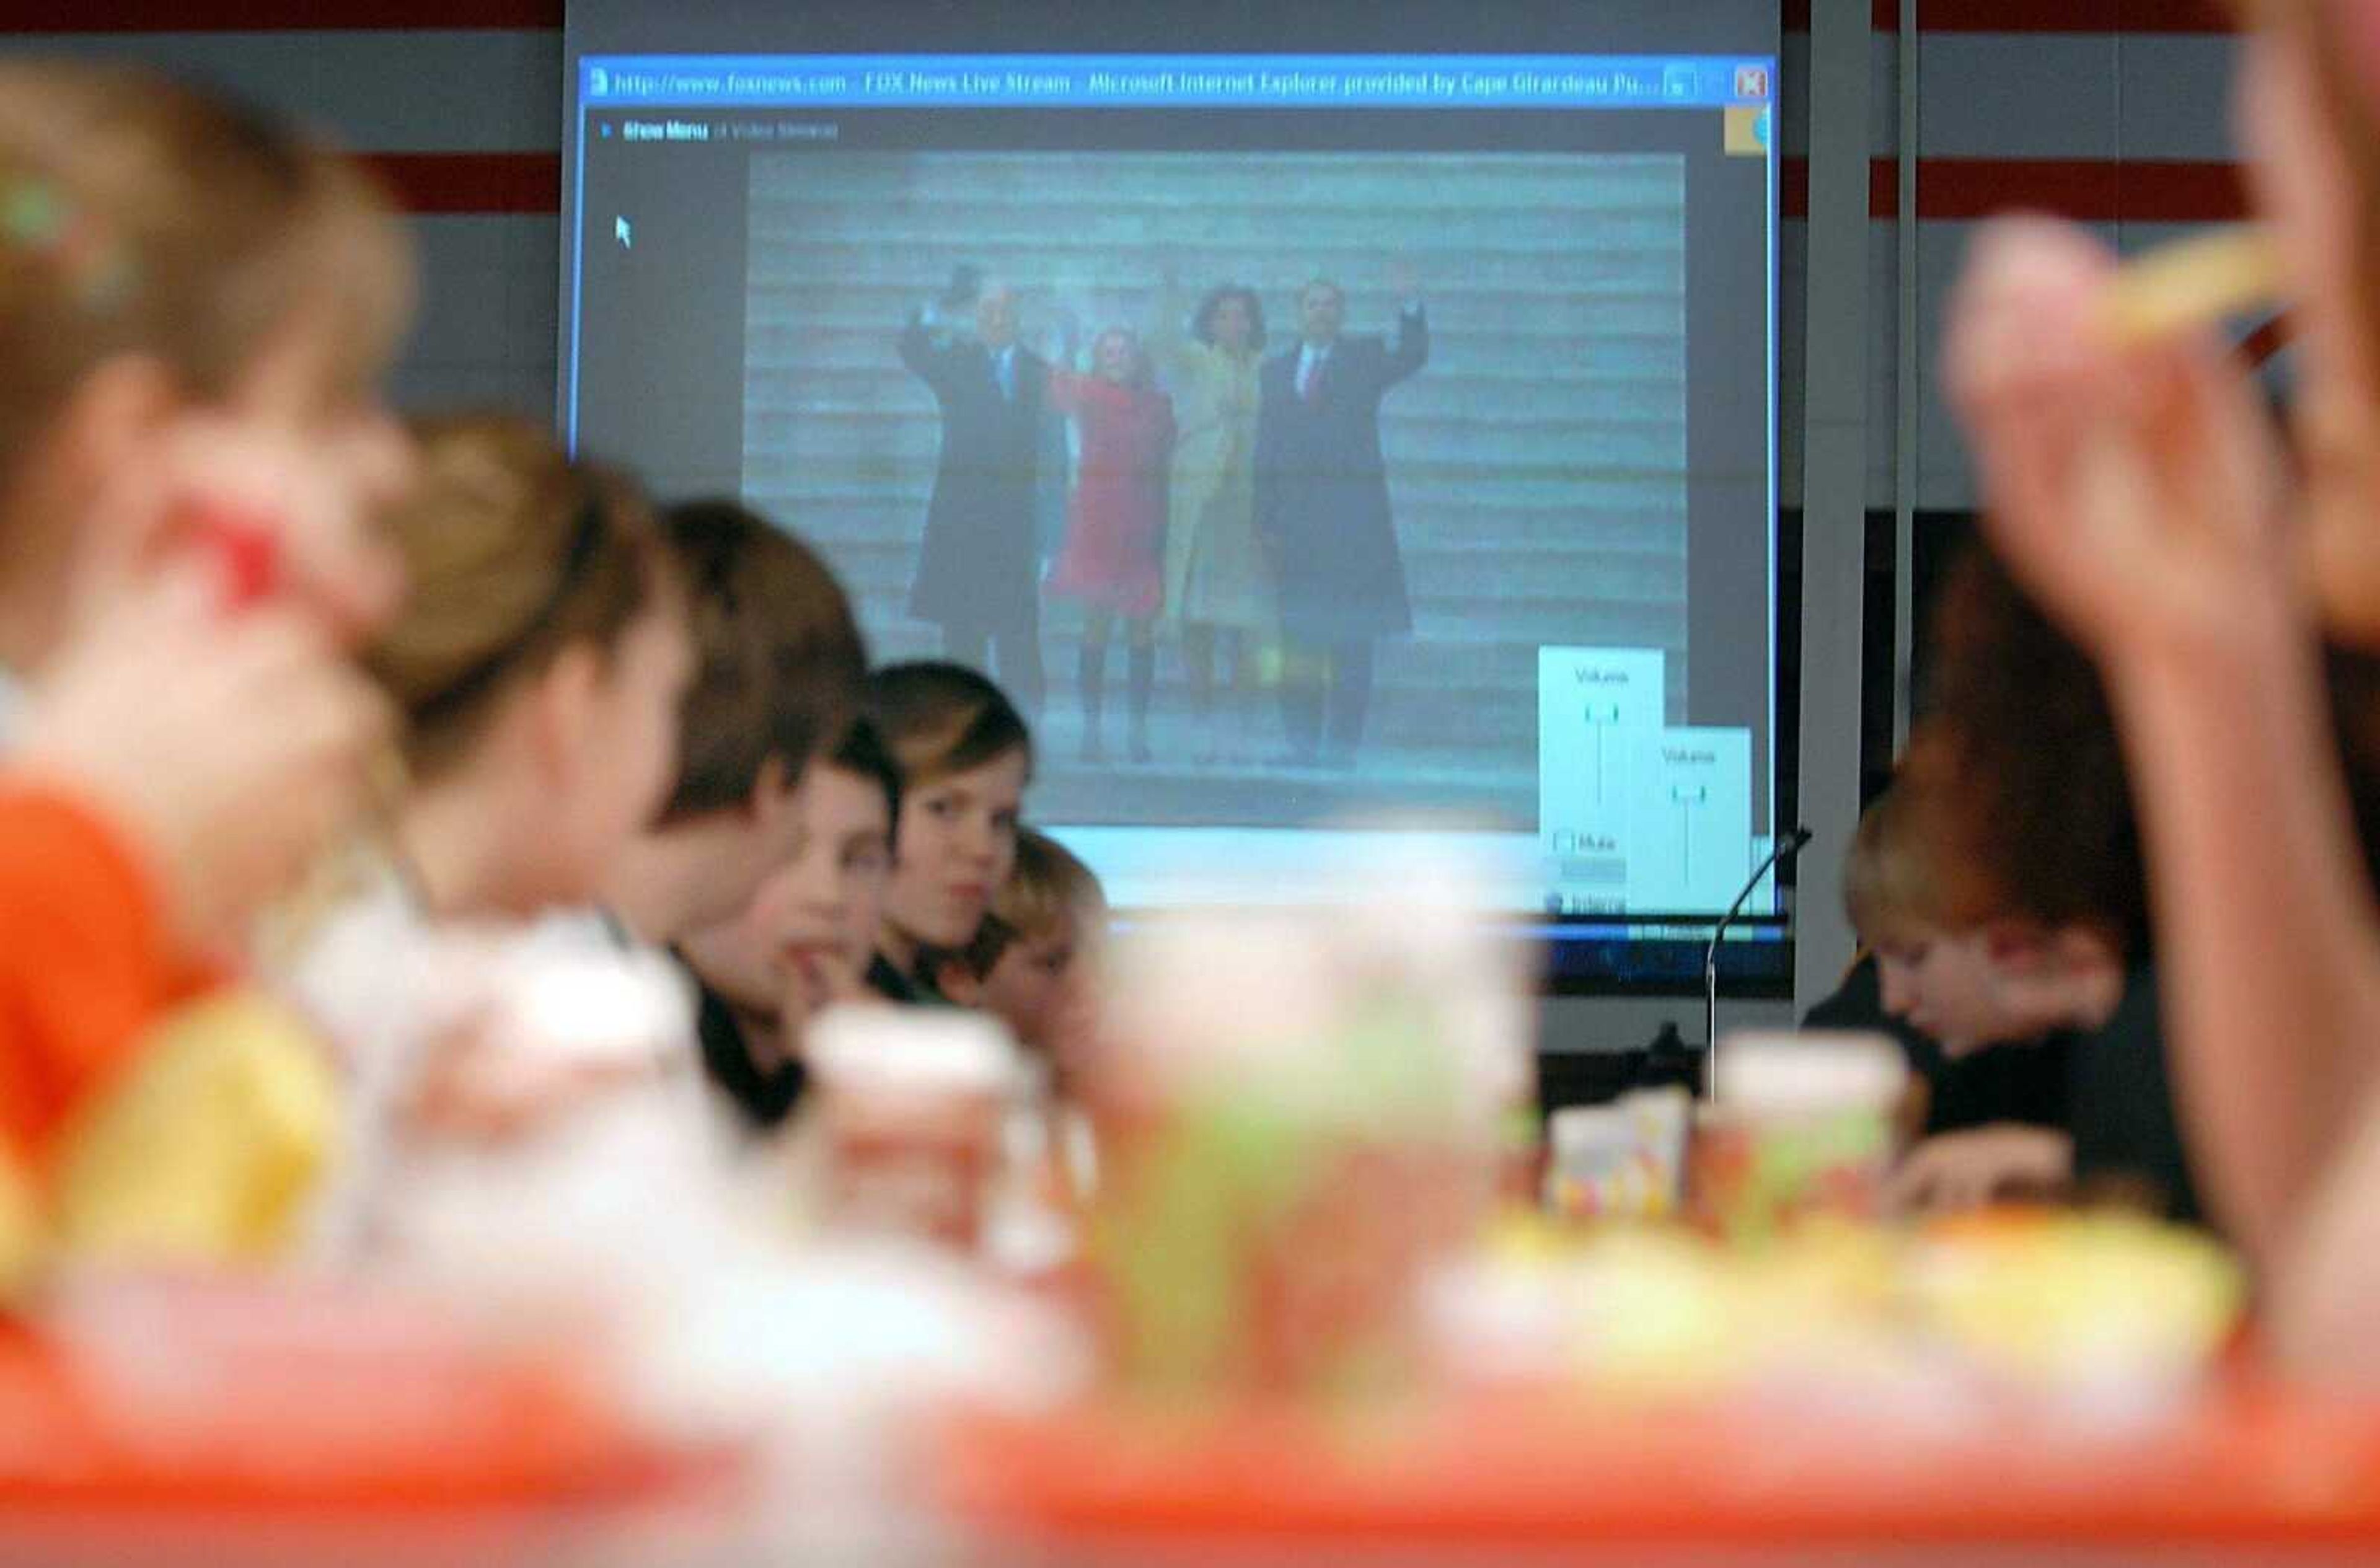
(2017, 944)
(120, 405)
(112, 424)
(560, 708)
(955, 981)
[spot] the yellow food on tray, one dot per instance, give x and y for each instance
(2191, 283)
(2079, 1300)
(24, 1237)
(2092, 1311)
(209, 1149)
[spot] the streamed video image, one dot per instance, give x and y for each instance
(1278, 486)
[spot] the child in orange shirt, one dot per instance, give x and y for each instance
(195, 302)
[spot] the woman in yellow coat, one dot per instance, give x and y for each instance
(1218, 590)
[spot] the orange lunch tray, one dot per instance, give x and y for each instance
(2244, 1466)
(243, 1424)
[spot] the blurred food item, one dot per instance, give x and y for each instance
(208, 1149)
(1300, 1120)
(1803, 1126)
(544, 1025)
(916, 1104)
(2109, 1308)
(2192, 282)
(1624, 1161)
(2090, 1313)
(1664, 1314)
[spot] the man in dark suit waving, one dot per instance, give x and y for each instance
(1322, 510)
(978, 573)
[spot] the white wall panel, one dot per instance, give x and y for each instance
(485, 333)
(1998, 95)
(1883, 347)
(1793, 95)
(2174, 97)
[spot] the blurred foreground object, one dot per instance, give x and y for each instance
(162, 1421)
(2022, 1380)
(915, 1107)
(204, 1150)
(2190, 284)
(1299, 1118)
(1802, 1125)
(1625, 1160)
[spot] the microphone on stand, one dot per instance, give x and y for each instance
(1786, 848)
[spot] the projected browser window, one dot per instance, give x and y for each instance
(1304, 441)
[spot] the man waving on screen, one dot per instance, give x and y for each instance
(1322, 510)
(978, 573)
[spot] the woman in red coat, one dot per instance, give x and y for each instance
(1114, 557)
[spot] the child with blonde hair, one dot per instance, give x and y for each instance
(538, 663)
(1034, 961)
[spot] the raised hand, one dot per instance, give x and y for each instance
(232, 747)
(814, 982)
(2135, 491)
(1983, 1165)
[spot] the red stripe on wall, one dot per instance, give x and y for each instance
(2085, 189)
(256, 16)
(261, 16)
(275, 16)
(446, 183)
(2073, 16)
(2097, 191)
(2088, 191)
(2036, 16)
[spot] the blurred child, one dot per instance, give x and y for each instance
(2022, 801)
(1034, 962)
(2134, 487)
(196, 303)
(1995, 1071)
(806, 939)
(563, 1070)
(539, 663)
(779, 661)
(965, 757)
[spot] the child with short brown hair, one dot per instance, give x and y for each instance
(965, 757)
(779, 663)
